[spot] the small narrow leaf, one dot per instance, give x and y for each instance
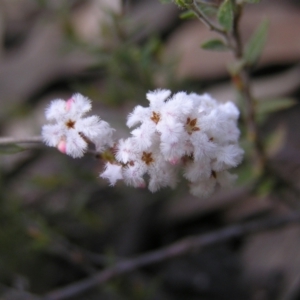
(275, 141)
(207, 10)
(225, 15)
(187, 15)
(214, 45)
(251, 1)
(267, 106)
(264, 107)
(256, 43)
(166, 1)
(181, 3)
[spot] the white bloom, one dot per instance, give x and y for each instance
(71, 132)
(133, 174)
(135, 163)
(112, 173)
(151, 114)
(126, 150)
(228, 156)
(204, 187)
(197, 170)
(157, 98)
(186, 130)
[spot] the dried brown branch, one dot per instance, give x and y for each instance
(179, 248)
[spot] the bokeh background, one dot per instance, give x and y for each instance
(59, 222)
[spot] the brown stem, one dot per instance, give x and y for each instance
(241, 79)
(242, 82)
(243, 86)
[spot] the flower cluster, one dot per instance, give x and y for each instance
(70, 132)
(188, 131)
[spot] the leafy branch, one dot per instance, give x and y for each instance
(226, 24)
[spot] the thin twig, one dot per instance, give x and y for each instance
(179, 248)
(243, 86)
(241, 79)
(11, 140)
(36, 140)
(194, 7)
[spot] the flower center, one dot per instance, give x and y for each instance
(70, 124)
(147, 158)
(155, 117)
(190, 125)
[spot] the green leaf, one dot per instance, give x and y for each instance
(225, 15)
(187, 15)
(166, 1)
(207, 10)
(256, 43)
(183, 3)
(275, 141)
(267, 106)
(10, 149)
(264, 107)
(214, 45)
(251, 1)
(266, 187)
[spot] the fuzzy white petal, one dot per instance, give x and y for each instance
(133, 175)
(75, 145)
(52, 134)
(112, 173)
(139, 115)
(228, 157)
(157, 98)
(203, 188)
(81, 105)
(196, 170)
(55, 110)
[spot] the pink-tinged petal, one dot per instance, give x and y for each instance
(142, 185)
(175, 161)
(69, 104)
(62, 146)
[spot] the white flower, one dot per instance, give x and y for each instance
(228, 156)
(113, 173)
(71, 132)
(191, 131)
(134, 163)
(197, 170)
(205, 187)
(188, 131)
(151, 114)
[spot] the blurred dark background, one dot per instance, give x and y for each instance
(60, 223)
